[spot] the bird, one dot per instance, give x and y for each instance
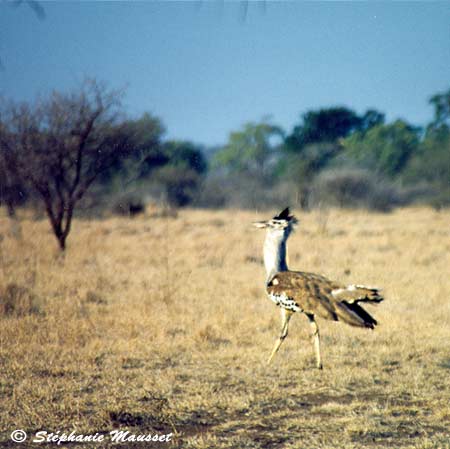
(309, 293)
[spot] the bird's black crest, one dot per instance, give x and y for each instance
(283, 215)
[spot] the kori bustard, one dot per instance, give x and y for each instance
(310, 293)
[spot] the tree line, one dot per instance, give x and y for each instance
(78, 150)
(336, 156)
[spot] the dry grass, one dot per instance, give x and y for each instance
(161, 324)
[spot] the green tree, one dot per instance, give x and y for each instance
(431, 163)
(315, 143)
(323, 125)
(441, 103)
(184, 154)
(300, 168)
(250, 150)
(182, 173)
(370, 119)
(385, 149)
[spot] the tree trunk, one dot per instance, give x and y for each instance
(56, 220)
(62, 242)
(305, 197)
(16, 228)
(11, 209)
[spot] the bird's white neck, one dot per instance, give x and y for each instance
(275, 252)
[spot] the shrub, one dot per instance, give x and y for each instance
(354, 188)
(243, 193)
(440, 199)
(128, 205)
(16, 300)
(179, 185)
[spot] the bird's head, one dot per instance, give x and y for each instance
(283, 223)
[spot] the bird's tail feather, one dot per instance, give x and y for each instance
(355, 315)
(354, 294)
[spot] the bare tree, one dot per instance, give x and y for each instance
(62, 143)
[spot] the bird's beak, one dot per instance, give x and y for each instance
(260, 224)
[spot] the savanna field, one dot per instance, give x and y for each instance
(160, 324)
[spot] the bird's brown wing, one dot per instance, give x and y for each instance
(313, 294)
(310, 291)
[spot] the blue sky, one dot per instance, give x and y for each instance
(205, 69)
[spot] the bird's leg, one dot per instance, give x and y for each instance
(316, 337)
(285, 317)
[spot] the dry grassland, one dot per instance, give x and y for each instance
(162, 325)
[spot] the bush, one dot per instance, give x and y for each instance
(241, 192)
(179, 186)
(354, 188)
(128, 205)
(440, 199)
(212, 194)
(16, 300)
